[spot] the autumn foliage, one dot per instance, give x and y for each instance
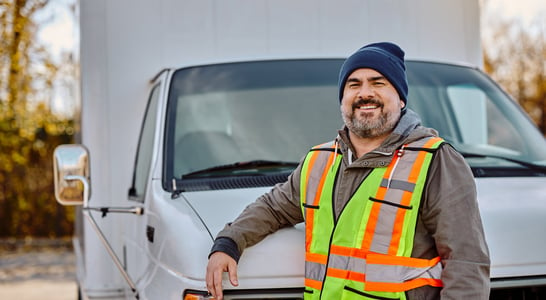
(29, 130)
(515, 57)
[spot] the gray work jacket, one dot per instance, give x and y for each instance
(449, 224)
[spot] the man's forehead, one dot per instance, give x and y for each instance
(365, 73)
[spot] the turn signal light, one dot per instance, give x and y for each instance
(196, 295)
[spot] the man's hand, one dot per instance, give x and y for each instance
(219, 262)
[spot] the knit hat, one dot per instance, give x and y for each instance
(386, 58)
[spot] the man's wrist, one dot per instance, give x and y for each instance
(226, 245)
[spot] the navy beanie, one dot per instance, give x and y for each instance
(385, 58)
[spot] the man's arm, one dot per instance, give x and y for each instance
(272, 211)
(452, 217)
(277, 209)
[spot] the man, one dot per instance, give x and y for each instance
(390, 209)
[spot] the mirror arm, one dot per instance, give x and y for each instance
(136, 210)
(103, 239)
(83, 180)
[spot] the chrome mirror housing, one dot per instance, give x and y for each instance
(71, 174)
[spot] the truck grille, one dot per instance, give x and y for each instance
(519, 293)
(274, 294)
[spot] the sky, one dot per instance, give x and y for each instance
(60, 32)
(526, 10)
(529, 13)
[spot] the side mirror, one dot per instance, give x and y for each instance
(71, 174)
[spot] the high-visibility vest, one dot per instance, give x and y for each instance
(366, 253)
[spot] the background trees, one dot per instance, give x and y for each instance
(515, 56)
(29, 131)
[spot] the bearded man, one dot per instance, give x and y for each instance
(390, 209)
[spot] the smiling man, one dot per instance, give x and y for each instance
(390, 209)
(371, 108)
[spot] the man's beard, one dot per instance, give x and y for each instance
(366, 127)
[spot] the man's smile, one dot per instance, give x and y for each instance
(366, 105)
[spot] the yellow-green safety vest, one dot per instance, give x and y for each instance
(366, 253)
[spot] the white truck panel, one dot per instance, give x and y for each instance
(503, 203)
(124, 43)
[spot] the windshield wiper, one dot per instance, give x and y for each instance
(529, 165)
(239, 168)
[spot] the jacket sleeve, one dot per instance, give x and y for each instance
(451, 216)
(278, 208)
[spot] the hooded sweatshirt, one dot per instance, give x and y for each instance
(449, 224)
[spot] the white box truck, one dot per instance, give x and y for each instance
(191, 109)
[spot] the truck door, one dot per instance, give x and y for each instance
(137, 235)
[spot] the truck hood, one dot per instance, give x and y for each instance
(280, 255)
(513, 212)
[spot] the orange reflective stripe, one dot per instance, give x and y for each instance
(322, 180)
(382, 259)
(374, 214)
(406, 197)
(337, 273)
(355, 276)
(312, 161)
(402, 286)
(398, 225)
(432, 141)
(309, 230)
(370, 227)
(416, 169)
(344, 274)
(348, 251)
(425, 272)
(310, 213)
(315, 284)
(316, 258)
(406, 200)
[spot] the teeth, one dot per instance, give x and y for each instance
(369, 106)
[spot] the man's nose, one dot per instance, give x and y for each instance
(365, 92)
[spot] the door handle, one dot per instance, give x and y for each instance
(150, 231)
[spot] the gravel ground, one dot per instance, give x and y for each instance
(42, 269)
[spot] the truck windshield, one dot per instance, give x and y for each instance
(473, 114)
(256, 111)
(231, 114)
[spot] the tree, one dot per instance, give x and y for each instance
(515, 57)
(29, 131)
